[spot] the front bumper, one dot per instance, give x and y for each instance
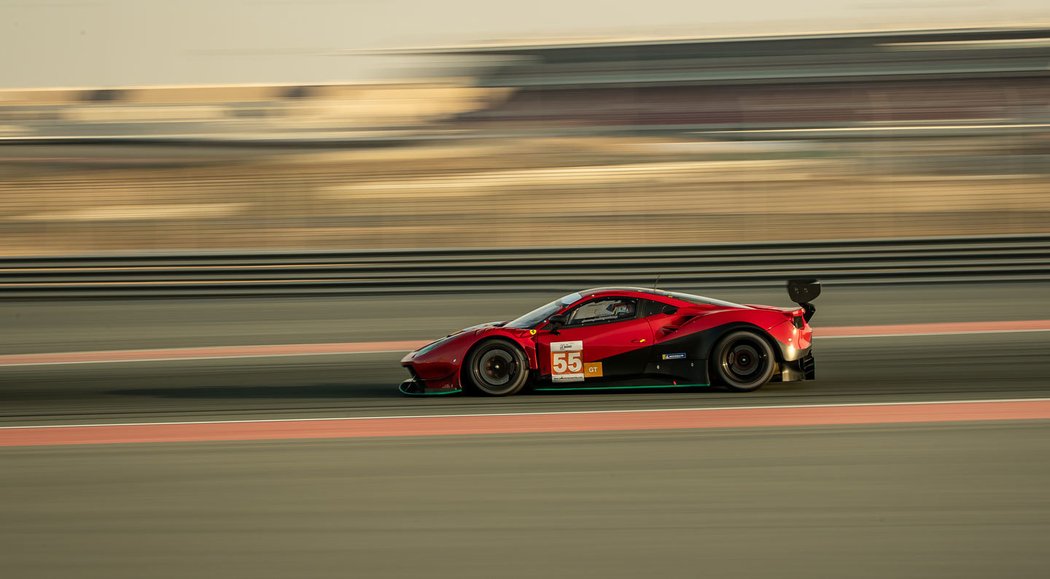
(414, 386)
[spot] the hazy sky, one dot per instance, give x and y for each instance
(148, 42)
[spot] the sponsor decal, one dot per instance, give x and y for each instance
(592, 370)
(674, 356)
(574, 346)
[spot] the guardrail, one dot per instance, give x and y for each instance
(873, 261)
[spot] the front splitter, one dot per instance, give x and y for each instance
(414, 387)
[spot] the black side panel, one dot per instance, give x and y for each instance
(694, 346)
(686, 371)
(626, 364)
(684, 358)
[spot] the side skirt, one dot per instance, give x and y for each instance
(598, 387)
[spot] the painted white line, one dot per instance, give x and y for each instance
(567, 412)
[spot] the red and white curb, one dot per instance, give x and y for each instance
(530, 423)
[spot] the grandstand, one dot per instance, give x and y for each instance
(770, 82)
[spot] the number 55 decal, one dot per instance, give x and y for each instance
(567, 363)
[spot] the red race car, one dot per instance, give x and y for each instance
(618, 338)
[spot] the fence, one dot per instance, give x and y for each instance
(917, 260)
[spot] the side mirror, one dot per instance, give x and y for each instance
(669, 310)
(556, 321)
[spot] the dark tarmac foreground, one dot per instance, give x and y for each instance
(956, 501)
(951, 500)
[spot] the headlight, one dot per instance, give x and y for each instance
(430, 346)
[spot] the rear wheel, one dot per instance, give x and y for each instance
(743, 361)
(497, 368)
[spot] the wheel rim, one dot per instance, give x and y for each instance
(744, 362)
(497, 368)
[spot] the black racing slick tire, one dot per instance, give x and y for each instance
(743, 361)
(497, 368)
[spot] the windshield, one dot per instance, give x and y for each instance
(529, 320)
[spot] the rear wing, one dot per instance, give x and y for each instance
(802, 292)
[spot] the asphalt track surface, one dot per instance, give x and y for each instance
(962, 499)
(876, 369)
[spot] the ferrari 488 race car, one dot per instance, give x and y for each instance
(613, 338)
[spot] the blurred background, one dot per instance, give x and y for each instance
(638, 136)
(332, 180)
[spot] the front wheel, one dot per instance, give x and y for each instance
(498, 368)
(743, 361)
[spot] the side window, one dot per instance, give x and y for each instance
(649, 308)
(603, 310)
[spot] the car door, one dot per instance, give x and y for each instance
(604, 337)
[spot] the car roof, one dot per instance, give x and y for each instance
(677, 298)
(618, 290)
